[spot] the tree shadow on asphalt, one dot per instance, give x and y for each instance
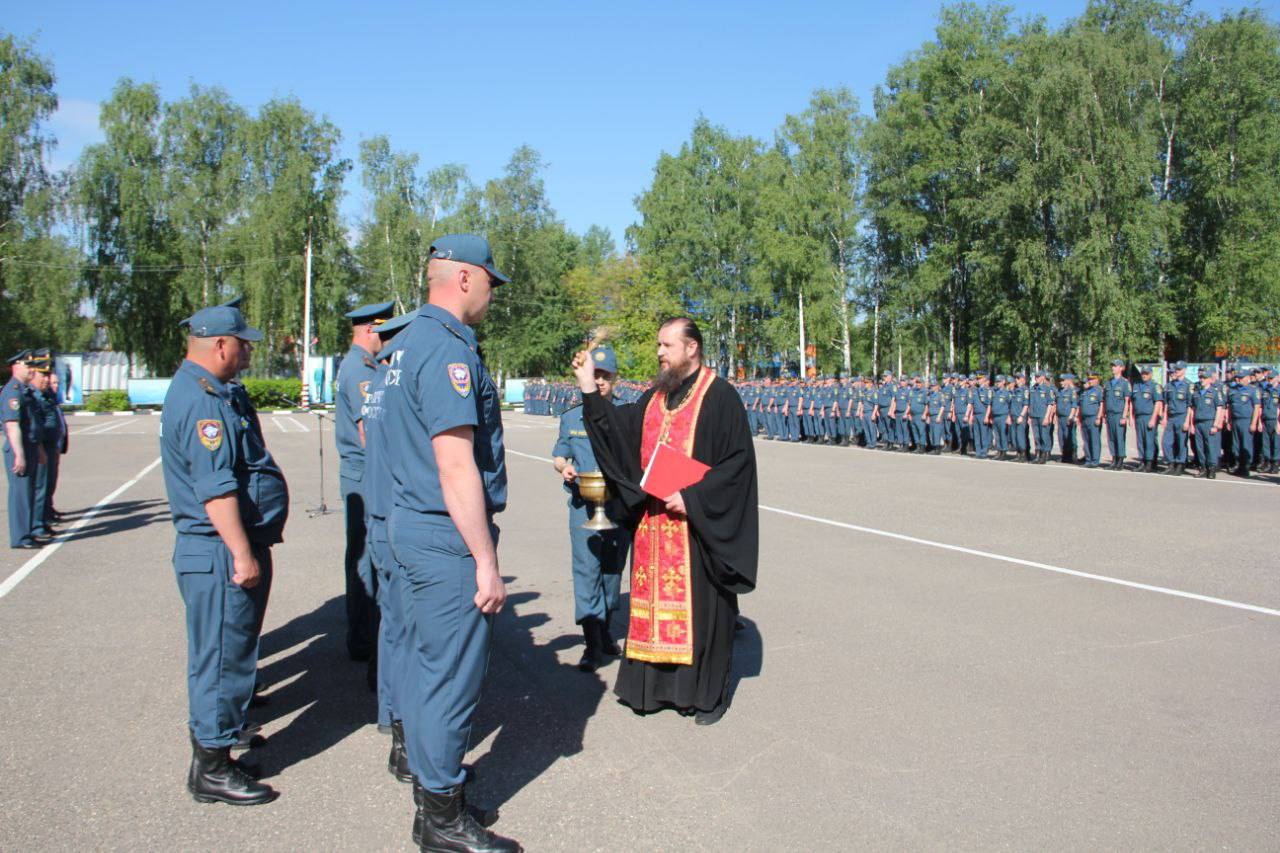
(538, 705)
(332, 690)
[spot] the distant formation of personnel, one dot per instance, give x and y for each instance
(1215, 424)
(35, 438)
(543, 397)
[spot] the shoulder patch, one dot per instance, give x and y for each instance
(460, 378)
(14, 403)
(210, 432)
(364, 390)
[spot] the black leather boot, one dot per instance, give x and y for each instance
(608, 645)
(216, 778)
(448, 824)
(592, 657)
(398, 759)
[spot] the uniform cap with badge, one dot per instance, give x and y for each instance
(388, 330)
(375, 312)
(604, 358)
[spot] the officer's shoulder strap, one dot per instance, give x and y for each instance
(207, 387)
(368, 362)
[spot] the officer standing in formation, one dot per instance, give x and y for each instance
(1147, 405)
(599, 556)
(1067, 416)
(354, 376)
(52, 438)
(23, 453)
(1207, 414)
(64, 445)
(1245, 420)
(1173, 419)
(229, 504)
(1119, 411)
(441, 421)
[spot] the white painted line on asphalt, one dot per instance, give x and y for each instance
(1031, 564)
(34, 563)
(960, 549)
(108, 427)
(301, 427)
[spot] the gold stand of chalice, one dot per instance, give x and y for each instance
(592, 487)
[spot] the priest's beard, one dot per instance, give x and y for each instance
(668, 380)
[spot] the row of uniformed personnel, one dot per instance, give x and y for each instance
(1007, 417)
(543, 397)
(35, 439)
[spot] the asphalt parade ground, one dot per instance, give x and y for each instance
(942, 653)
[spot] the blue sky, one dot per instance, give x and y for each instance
(598, 88)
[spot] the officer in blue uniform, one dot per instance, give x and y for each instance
(21, 451)
(441, 415)
(64, 444)
(599, 556)
(1066, 416)
(1206, 414)
(1092, 406)
(1041, 403)
(1001, 428)
(982, 416)
(48, 413)
(1148, 409)
(1270, 450)
(1177, 396)
(376, 488)
(1119, 411)
(229, 503)
(935, 416)
(1245, 405)
(355, 374)
(917, 405)
(1018, 408)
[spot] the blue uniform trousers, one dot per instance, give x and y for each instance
(870, 432)
(1270, 441)
(834, 424)
(793, 427)
(981, 438)
(1091, 432)
(448, 649)
(1043, 432)
(888, 429)
(917, 429)
(22, 495)
(1116, 436)
(1018, 436)
(224, 622)
(1241, 441)
(45, 474)
(1208, 444)
(1067, 441)
(598, 560)
(1174, 441)
(362, 611)
(904, 431)
(55, 461)
(936, 433)
(1000, 435)
(392, 636)
(1145, 437)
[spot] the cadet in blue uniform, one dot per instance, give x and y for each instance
(599, 556)
(47, 412)
(1245, 407)
(935, 416)
(1041, 405)
(64, 444)
(1177, 396)
(1206, 414)
(229, 503)
(441, 415)
(376, 488)
(1148, 408)
(21, 452)
(982, 417)
(1270, 420)
(1092, 403)
(1119, 411)
(1018, 417)
(1066, 416)
(354, 376)
(917, 405)
(1001, 423)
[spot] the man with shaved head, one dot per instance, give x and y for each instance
(229, 503)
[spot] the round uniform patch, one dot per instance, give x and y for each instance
(210, 432)
(460, 378)
(599, 355)
(14, 404)
(364, 390)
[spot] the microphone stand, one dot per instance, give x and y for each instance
(321, 417)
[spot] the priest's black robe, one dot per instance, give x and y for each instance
(724, 534)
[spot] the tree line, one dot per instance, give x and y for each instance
(1021, 196)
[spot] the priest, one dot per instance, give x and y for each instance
(694, 551)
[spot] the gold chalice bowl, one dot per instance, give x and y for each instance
(592, 487)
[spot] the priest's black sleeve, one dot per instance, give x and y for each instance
(723, 508)
(615, 433)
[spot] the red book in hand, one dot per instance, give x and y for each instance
(669, 471)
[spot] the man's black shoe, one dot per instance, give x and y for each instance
(216, 778)
(592, 657)
(608, 644)
(398, 759)
(449, 824)
(27, 545)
